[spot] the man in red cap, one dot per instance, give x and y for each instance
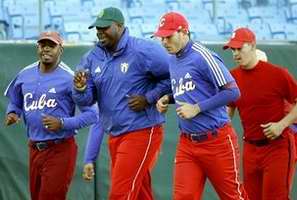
(42, 94)
(268, 158)
(201, 88)
(261, 55)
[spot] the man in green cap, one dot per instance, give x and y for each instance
(126, 76)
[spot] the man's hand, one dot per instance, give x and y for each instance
(137, 103)
(80, 80)
(187, 110)
(51, 123)
(88, 171)
(11, 118)
(272, 130)
(162, 104)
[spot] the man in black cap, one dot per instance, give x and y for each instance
(126, 76)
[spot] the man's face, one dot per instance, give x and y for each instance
(245, 55)
(108, 36)
(48, 51)
(173, 43)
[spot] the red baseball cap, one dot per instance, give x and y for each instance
(171, 22)
(52, 36)
(239, 37)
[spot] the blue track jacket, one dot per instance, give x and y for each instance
(137, 67)
(33, 94)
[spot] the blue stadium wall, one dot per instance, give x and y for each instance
(13, 142)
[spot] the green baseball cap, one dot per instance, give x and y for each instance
(107, 16)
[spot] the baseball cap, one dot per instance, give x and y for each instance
(107, 16)
(52, 36)
(171, 22)
(239, 37)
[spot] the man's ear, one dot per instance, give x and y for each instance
(185, 31)
(254, 46)
(120, 26)
(61, 50)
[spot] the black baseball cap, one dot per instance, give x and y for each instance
(107, 16)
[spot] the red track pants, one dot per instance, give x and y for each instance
(269, 169)
(216, 159)
(132, 157)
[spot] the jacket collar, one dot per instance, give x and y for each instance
(185, 50)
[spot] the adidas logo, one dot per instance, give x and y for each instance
(97, 70)
(188, 76)
(52, 90)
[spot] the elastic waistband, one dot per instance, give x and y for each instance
(138, 130)
(146, 129)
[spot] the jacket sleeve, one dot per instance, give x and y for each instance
(157, 64)
(225, 95)
(86, 97)
(94, 142)
(15, 96)
(86, 117)
(221, 79)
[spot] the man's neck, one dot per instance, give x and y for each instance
(183, 45)
(252, 64)
(185, 42)
(46, 68)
